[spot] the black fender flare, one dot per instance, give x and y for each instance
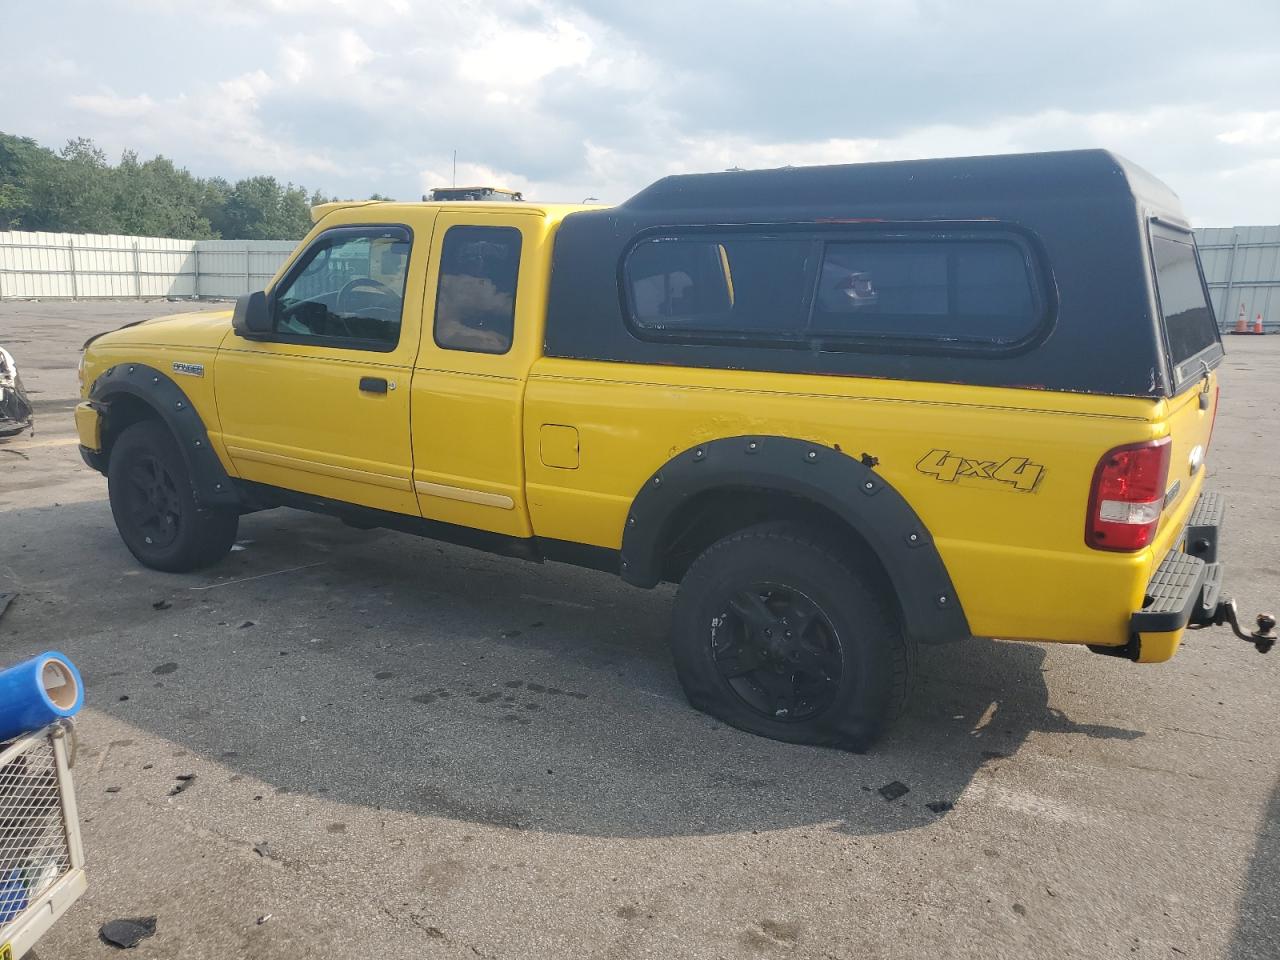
(210, 483)
(834, 480)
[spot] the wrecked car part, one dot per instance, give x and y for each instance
(15, 408)
(127, 932)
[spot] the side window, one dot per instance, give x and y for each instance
(348, 290)
(476, 299)
(964, 290)
(820, 289)
(730, 285)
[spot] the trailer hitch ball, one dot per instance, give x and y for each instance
(1264, 637)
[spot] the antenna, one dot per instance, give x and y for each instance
(455, 169)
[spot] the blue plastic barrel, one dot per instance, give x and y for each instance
(37, 692)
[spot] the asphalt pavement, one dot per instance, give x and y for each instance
(406, 749)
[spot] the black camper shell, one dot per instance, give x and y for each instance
(1088, 228)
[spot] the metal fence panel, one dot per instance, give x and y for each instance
(88, 266)
(1242, 267)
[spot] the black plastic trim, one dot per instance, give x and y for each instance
(580, 554)
(261, 496)
(930, 608)
(210, 483)
(1204, 528)
(94, 459)
(1174, 592)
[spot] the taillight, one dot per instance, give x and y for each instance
(1128, 496)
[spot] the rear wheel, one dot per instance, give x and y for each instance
(154, 505)
(777, 632)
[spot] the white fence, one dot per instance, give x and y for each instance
(87, 266)
(1242, 266)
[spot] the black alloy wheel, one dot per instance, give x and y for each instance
(778, 651)
(154, 506)
(789, 632)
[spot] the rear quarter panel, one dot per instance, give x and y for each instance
(1000, 476)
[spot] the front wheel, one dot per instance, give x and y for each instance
(154, 505)
(776, 632)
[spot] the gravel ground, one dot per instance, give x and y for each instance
(408, 750)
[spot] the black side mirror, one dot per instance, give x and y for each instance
(252, 318)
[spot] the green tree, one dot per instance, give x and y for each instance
(155, 199)
(76, 190)
(73, 193)
(20, 161)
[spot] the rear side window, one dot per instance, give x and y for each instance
(1188, 318)
(972, 290)
(476, 298)
(834, 292)
(752, 285)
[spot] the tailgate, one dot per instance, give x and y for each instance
(1190, 424)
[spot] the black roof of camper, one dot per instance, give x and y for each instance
(1085, 212)
(946, 184)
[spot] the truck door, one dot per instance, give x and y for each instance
(322, 405)
(483, 319)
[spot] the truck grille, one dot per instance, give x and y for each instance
(34, 849)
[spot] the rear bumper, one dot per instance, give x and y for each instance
(1185, 588)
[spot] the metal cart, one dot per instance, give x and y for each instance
(41, 859)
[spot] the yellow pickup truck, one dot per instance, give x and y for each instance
(848, 409)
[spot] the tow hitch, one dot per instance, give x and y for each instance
(1263, 638)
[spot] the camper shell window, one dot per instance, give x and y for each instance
(841, 290)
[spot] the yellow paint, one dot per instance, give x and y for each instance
(293, 415)
(1017, 558)
(317, 468)
(88, 427)
(522, 444)
(463, 495)
(558, 446)
(466, 406)
(1158, 647)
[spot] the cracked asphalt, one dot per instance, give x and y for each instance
(403, 749)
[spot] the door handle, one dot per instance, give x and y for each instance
(373, 385)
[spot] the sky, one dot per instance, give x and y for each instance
(569, 99)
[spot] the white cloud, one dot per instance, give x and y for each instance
(220, 122)
(114, 107)
(1255, 129)
(570, 98)
(505, 59)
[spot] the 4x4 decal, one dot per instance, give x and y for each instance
(1018, 472)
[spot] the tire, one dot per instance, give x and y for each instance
(777, 631)
(154, 506)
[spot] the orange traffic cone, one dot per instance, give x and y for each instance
(1242, 321)
(1257, 324)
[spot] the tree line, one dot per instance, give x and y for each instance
(76, 190)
